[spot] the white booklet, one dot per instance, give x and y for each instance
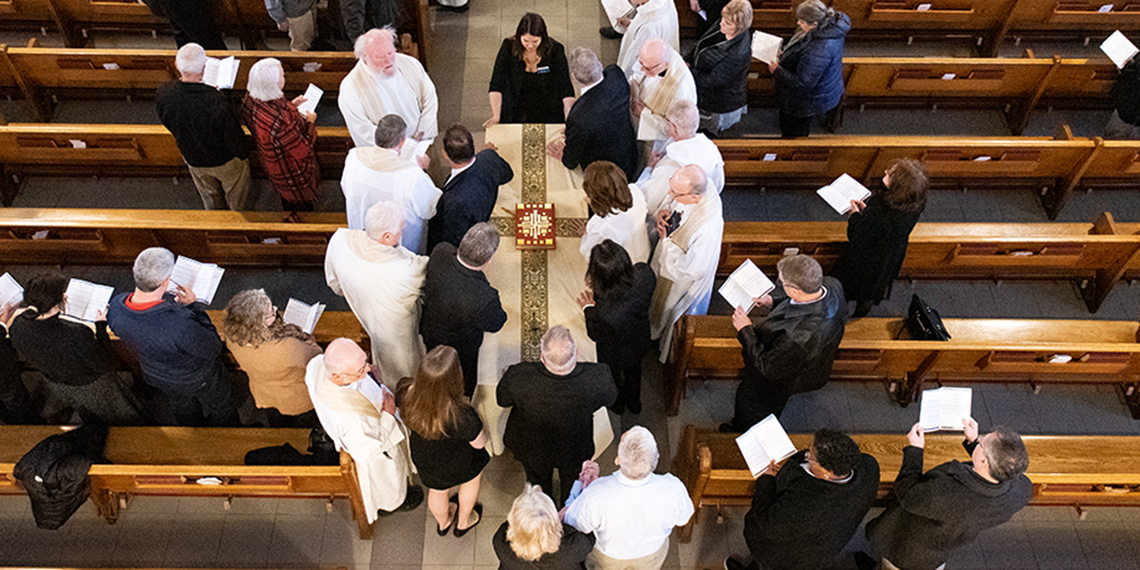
(616, 9)
(1119, 49)
(202, 278)
(746, 283)
(764, 443)
(85, 299)
(312, 97)
(765, 47)
(414, 149)
(842, 191)
(11, 293)
(303, 315)
(944, 408)
(221, 73)
(651, 127)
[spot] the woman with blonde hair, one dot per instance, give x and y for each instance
(446, 439)
(720, 62)
(535, 537)
(274, 355)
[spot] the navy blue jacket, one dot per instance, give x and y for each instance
(598, 126)
(468, 198)
(809, 81)
(177, 345)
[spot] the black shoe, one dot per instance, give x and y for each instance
(609, 33)
(459, 9)
(618, 409)
(477, 510)
(731, 563)
(864, 562)
(726, 428)
(412, 499)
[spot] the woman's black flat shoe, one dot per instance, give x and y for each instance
(479, 511)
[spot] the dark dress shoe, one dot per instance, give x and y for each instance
(609, 33)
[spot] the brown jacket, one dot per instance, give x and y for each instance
(276, 372)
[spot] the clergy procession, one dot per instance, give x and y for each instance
(513, 308)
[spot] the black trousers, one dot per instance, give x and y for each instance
(628, 382)
(754, 403)
(213, 405)
(792, 127)
(16, 404)
(540, 471)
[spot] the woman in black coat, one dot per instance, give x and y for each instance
(720, 63)
(877, 235)
(531, 79)
(617, 317)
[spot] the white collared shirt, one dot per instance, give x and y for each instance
(631, 519)
(455, 171)
(586, 88)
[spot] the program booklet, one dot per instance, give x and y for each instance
(944, 408)
(651, 127)
(312, 96)
(842, 191)
(765, 47)
(1119, 49)
(221, 73)
(764, 443)
(85, 299)
(303, 315)
(11, 293)
(746, 283)
(616, 9)
(202, 278)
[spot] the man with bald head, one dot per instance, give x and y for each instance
(651, 19)
(383, 83)
(689, 228)
(359, 414)
(685, 146)
(662, 80)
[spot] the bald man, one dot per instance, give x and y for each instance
(661, 81)
(689, 228)
(685, 146)
(359, 414)
(651, 19)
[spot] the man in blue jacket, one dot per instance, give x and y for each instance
(177, 346)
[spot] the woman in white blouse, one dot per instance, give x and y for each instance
(619, 211)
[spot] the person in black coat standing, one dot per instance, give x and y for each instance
(459, 304)
(792, 349)
(720, 63)
(617, 317)
(950, 505)
(805, 513)
(471, 189)
(192, 21)
(552, 403)
(877, 235)
(598, 126)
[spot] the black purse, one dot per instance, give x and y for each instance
(923, 322)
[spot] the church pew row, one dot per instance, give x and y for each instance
(1065, 470)
(171, 461)
(705, 347)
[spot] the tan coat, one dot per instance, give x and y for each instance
(276, 372)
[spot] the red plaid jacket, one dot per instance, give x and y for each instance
(285, 144)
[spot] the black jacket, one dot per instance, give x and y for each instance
(571, 553)
(204, 123)
(720, 70)
(599, 128)
(620, 326)
(800, 522)
(553, 416)
(532, 97)
(809, 81)
(940, 510)
(65, 351)
(459, 304)
(1126, 93)
(16, 405)
(54, 472)
(792, 350)
(876, 247)
(191, 20)
(468, 198)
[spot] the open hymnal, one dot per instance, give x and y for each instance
(303, 315)
(221, 73)
(85, 299)
(765, 47)
(764, 443)
(202, 278)
(746, 283)
(944, 408)
(616, 9)
(312, 97)
(840, 193)
(11, 293)
(414, 149)
(652, 127)
(1119, 49)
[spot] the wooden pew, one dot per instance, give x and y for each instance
(705, 347)
(1065, 470)
(169, 460)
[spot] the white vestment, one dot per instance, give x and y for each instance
(383, 286)
(686, 263)
(374, 175)
(698, 150)
(353, 417)
(366, 97)
(627, 229)
(660, 93)
(654, 19)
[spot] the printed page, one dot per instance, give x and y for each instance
(763, 443)
(302, 314)
(839, 193)
(1119, 49)
(10, 291)
(86, 299)
(227, 73)
(765, 47)
(185, 273)
(745, 284)
(206, 283)
(616, 9)
(413, 149)
(930, 410)
(651, 127)
(210, 76)
(944, 408)
(313, 96)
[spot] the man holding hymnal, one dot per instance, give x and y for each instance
(791, 350)
(1125, 121)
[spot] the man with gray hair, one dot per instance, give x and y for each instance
(631, 513)
(381, 173)
(382, 282)
(661, 81)
(685, 146)
(208, 131)
(177, 345)
(459, 304)
(552, 403)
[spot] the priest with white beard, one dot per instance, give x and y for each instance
(685, 146)
(384, 83)
(663, 79)
(690, 228)
(379, 173)
(652, 19)
(382, 282)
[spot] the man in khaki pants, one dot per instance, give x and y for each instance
(298, 17)
(208, 132)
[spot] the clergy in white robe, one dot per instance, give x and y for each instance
(380, 174)
(619, 212)
(685, 146)
(686, 257)
(359, 415)
(382, 282)
(653, 19)
(662, 80)
(384, 83)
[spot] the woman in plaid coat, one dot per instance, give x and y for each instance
(284, 136)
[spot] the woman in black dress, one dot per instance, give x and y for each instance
(446, 439)
(617, 317)
(877, 235)
(531, 80)
(535, 538)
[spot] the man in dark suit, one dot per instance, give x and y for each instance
(459, 303)
(598, 125)
(471, 189)
(552, 403)
(192, 21)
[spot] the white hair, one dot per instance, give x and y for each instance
(152, 267)
(637, 453)
(383, 217)
(369, 38)
(686, 118)
(584, 66)
(265, 80)
(559, 353)
(191, 59)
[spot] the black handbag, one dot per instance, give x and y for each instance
(923, 322)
